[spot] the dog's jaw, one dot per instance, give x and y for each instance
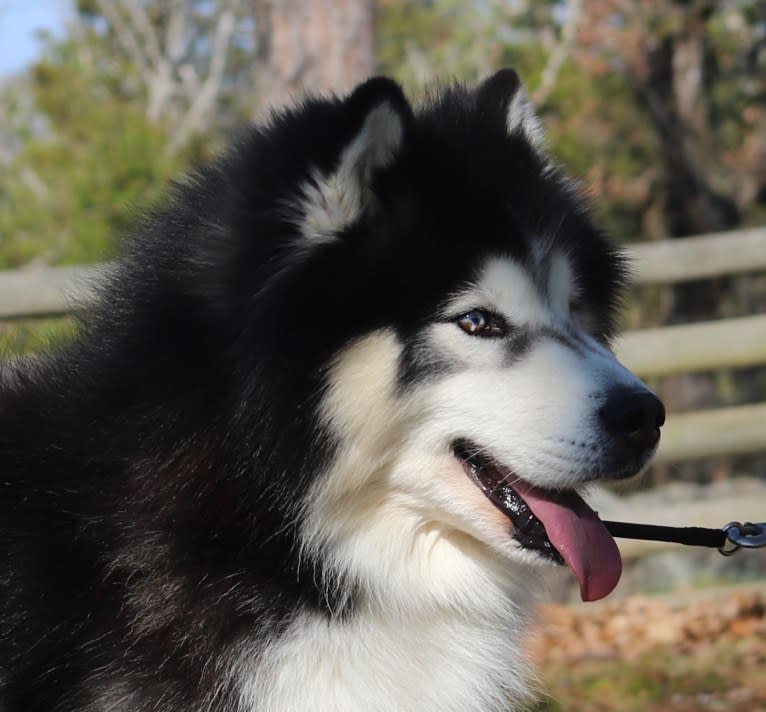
(558, 525)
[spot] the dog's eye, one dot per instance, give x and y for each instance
(481, 323)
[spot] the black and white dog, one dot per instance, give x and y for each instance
(324, 423)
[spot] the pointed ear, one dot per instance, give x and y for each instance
(379, 116)
(503, 95)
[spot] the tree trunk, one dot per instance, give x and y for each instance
(674, 89)
(311, 45)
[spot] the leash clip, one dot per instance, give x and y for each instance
(743, 536)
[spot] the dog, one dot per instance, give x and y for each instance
(323, 425)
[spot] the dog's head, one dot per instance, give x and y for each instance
(443, 279)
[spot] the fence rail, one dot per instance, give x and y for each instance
(730, 343)
(700, 257)
(45, 291)
(710, 433)
(684, 348)
(48, 291)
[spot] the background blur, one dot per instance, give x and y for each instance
(658, 106)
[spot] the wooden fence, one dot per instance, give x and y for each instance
(730, 343)
(726, 343)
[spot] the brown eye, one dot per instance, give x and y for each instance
(480, 323)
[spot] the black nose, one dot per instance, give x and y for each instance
(634, 414)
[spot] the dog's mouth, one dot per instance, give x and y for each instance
(558, 525)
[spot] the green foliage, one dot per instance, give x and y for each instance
(37, 335)
(420, 43)
(70, 194)
(598, 133)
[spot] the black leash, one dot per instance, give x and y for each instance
(728, 540)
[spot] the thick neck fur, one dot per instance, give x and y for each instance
(437, 621)
(380, 659)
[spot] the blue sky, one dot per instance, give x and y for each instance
(19, 19)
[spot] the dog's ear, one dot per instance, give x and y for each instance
(379, 116)
(503, 96)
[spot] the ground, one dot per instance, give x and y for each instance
(681, 653)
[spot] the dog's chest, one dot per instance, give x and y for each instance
(389, 664)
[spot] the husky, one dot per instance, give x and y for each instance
(323, 426)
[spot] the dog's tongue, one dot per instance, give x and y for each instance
(580, 537)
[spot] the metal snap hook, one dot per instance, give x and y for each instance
(743, 536)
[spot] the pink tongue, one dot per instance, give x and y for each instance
(580, 537)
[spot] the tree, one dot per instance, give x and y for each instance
(592, 121)
(697, 70)
(698, 73)
(185, 55)
(124, 99)
(659, 105)
(311, 45)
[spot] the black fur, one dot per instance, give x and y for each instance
(151, 471)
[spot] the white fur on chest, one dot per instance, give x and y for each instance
(445, 661)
